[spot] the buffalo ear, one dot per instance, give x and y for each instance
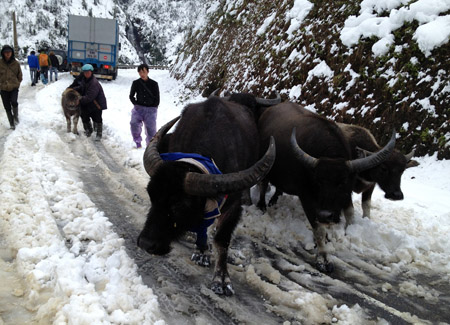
(362, 153)
(412, 163)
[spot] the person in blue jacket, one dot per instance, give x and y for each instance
(33, 64)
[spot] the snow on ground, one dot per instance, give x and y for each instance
(43, 204)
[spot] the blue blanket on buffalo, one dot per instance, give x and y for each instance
(213, 205)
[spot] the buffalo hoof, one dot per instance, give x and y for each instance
(201, 259)
(220, 288)
(325, 267)
(272, 202)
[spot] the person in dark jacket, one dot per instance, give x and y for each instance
(144, 95)
(33, 64)
(54, 66)
(92, 102)
(10, 79)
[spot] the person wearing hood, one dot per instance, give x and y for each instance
(10, 79)
(92, 102)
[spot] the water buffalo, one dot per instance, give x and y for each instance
(256, 105)
(180, 192)
(387, 174)
(313, 161)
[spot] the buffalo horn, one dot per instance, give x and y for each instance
(212, 185)
(152, 159)
(410, 155)
(302, 156)
(359, 165)
(269, 102)
(214, 93)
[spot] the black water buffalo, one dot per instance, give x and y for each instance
(180, 191)
(256, 105)
(314, 162)
(387, 174)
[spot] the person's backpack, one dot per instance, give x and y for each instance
(43, 60)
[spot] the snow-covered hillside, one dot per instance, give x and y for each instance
(148, 29)
(379, 64)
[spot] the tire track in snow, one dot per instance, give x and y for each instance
(356, 284)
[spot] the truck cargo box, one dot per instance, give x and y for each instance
(94, 41)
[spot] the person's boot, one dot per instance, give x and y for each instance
(99, 131)
(87, 128)
(16, 114)
(11, 120)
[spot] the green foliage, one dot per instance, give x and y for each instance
(425, 135)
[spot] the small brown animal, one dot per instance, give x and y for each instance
(70, 102)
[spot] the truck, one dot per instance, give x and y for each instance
(94, 41)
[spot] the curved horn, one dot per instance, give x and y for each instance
(214, 93)
(359, 165)
(410, 155)
(152, 159)
(299, 154)
(213, 185)
(269, 102)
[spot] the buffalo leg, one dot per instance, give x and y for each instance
(75, 124)
(221, 283)
(274, 198)
(68, 124)
(320, 237)
(246, 197)
(263, 185)
(349, 213)
(366, 201)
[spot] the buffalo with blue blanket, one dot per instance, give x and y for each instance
(182, 192)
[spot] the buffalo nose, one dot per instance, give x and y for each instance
(396, 196)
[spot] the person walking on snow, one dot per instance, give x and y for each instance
(54, 66)
(144, 95)
(44, 63)
(33, 64)
(92, 101)
(10, 79)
